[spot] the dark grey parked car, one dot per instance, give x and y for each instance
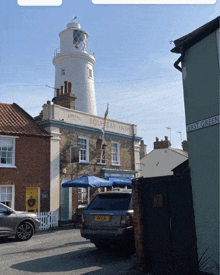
(17, 223)
(107, 221)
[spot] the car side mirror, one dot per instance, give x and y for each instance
(8, 212)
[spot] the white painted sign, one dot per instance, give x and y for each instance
(203, 123)
(84, 119)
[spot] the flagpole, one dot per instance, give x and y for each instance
(103, 133)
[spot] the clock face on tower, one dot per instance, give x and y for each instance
(79, 39)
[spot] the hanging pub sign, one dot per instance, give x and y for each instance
(74, 154)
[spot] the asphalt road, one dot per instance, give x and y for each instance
(59, 252)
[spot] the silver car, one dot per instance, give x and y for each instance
(22, 225)
(108, 220)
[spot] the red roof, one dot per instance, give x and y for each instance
(14, 120)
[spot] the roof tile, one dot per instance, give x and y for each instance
(14, 120)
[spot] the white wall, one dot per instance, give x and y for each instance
(160, 162)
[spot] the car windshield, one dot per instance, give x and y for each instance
(116, 201)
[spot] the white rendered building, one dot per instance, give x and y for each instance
(161, 160)
(73, 64)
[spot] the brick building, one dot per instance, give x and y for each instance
(77, 146)
(76, 142)
(24, 161)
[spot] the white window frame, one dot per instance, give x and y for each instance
(115, 162)
(63, 71)
(7, 165)
(90, 73)
(13, 195)
(86, 150)
(82, 195)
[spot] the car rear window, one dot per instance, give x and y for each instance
(120, 201)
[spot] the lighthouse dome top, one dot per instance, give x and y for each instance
(73, 25)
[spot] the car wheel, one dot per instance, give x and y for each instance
(25, 231)
(102, 245)
(127, 247)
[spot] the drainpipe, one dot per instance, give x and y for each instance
(176, 64)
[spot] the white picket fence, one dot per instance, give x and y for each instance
(48, 219)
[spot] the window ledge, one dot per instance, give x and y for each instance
(84, 162)
(98, 163)
(7, 166)
(116, 164)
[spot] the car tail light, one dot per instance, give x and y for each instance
(126, 220)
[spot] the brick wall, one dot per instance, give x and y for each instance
(32, 160)
(138, 221)
(75, 170)
(162, 144)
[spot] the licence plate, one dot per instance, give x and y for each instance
(101, 218)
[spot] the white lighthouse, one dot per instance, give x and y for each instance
(73, 64)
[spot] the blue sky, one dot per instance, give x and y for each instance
(134, 70)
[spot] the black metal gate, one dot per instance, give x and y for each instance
(169, 225)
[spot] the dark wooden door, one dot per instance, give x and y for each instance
(169, 226)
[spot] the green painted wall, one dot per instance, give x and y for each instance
(201, 95)
(201, 86)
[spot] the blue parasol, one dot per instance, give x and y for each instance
(120, 182)
(88, 181)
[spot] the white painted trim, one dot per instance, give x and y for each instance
(88, 195)
(13, 194)
(13, 197)
(2, 165)
(87, 149)
(118, 154)
(70, 203)
(12, 137)
(78, 118)
(38, 201)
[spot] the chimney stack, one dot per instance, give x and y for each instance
(143, 149)
(61, 90)
(65, 97)
(162, 144)
(58, 92)
(69, 87)
(65, 89)
(184, 146)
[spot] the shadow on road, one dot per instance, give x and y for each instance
(81, 259)
(49, 248)
(8, 240)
